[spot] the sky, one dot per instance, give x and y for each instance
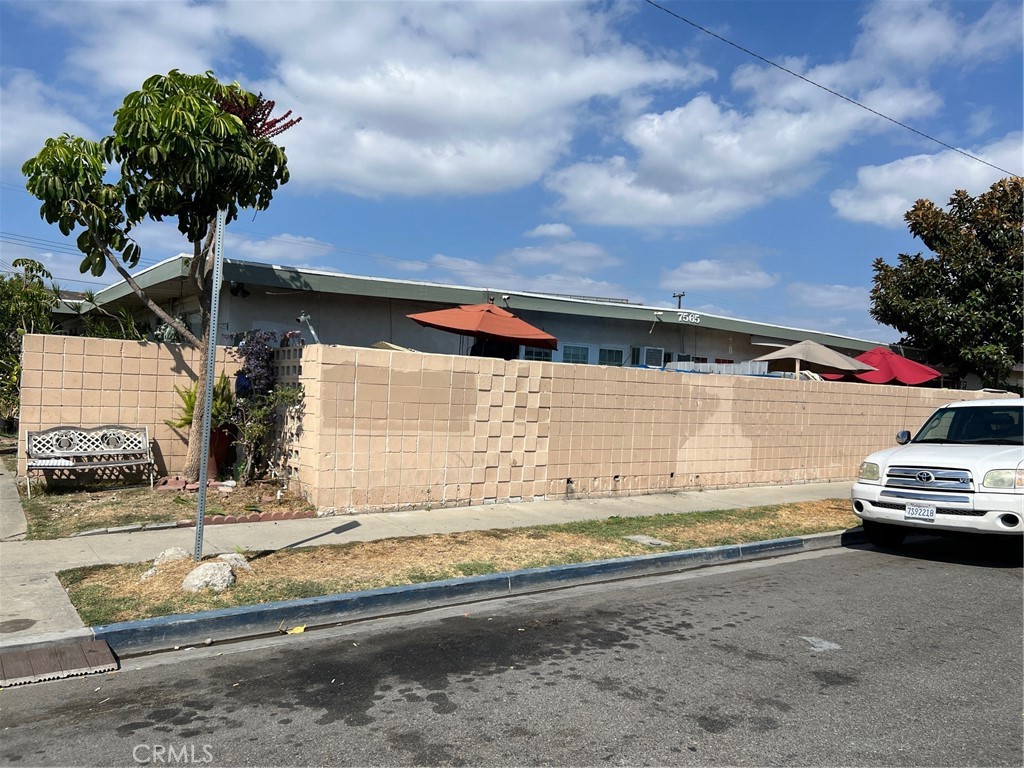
(608, 150)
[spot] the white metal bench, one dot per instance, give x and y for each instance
(69, 450)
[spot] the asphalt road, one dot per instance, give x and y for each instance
(844, 657)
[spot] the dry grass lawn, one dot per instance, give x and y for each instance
(62, 511)
(59, 514)
(115, 593)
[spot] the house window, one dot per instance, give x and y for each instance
(700, 359)
(723, 360)
(609, 356)
(532, 353)
(573, 353)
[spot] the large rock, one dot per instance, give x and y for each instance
(170, 555)
(236, 560)
(216, 576)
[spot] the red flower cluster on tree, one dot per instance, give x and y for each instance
(255, 115)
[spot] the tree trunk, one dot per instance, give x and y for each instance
(195, 432)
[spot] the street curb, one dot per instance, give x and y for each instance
(48, 640)
(170, 632)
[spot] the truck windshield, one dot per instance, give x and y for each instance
(990, 425)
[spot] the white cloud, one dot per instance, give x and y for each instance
(832, 297)
(29, 116)
(573, 257)
(119, 43)
(279, 249)
(708, 160)
(408, 265)
(980, 121)
(550, 230)
(884, 193)
(396, 98)
(460, 98)
(921, 35)
(718, 274)
(512, 270)
(702, 163)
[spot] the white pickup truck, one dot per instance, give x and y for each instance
(964, 471)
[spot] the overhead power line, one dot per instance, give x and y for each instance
(65, 248)
(825, 88)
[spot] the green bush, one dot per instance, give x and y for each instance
(221, 410)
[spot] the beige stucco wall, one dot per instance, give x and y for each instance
(385, 430)
(69, 380)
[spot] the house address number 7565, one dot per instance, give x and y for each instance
(688, 317)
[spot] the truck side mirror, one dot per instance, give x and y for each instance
(903, 437)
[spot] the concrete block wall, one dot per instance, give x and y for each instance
(385, 430)
(69, 380)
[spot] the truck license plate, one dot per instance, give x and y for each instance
(925, 512)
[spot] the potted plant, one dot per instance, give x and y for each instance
(222, 427)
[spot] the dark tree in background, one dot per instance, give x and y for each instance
(963, 304)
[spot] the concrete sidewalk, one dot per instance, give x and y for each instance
(35, 608)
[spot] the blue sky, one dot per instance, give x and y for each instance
(588, 149)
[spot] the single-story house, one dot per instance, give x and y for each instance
(336, 308)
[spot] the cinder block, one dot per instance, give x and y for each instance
(338, 374)
(31, 380)
(32, 361)
(369, 359)
(53, 344)
(406, 378)
(333, 354)
(32, 343)
(440, 378)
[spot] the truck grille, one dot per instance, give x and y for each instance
(929, 479)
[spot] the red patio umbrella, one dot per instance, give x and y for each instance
(889, 366)
(486, 321)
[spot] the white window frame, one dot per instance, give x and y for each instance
(550, 355)
(593, 352)
(564, 346)
(624, 351)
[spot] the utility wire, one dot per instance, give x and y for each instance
(826, 88)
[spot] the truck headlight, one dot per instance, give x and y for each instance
(1004, 478)
(869, 471)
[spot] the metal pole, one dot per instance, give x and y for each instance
(211, 360)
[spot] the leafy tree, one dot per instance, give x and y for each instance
(26, 306)
(964, 304)
(98, 323)
(183, 147)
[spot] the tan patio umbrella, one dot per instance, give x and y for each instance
(814, 357)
